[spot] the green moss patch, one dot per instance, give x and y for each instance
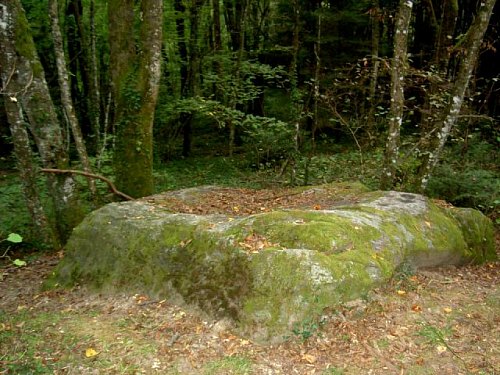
(273, 270)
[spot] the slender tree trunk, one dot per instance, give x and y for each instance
(184, 117)
(237, 72)
(217, 46)
(399, 62)
(30, 91)
(470, 50)
(375, 28)
(95, 92)
(293, 72)
(193, 68)
(317, 70)
(66, 100)
(135, 84)
(446, 30)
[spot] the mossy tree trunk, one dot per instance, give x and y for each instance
(470, 49)
(24, 78)
(135, 76)
(25, 163)
(398, 68)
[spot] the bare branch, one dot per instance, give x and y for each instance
(91, 175)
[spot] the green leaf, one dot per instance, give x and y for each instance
(19, 263)
(14, 237)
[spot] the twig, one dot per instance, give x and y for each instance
(91, 175)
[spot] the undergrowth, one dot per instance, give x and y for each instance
(466, 177)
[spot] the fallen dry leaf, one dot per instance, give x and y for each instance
(416, 308)
(441, 349)
(90, 352)
(309, 358)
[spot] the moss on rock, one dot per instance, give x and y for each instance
(273, 270)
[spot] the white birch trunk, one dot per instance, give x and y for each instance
(471, 48)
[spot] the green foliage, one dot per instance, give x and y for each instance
(15, 217)
(268, 140)
(14, 237)
(339, 167)
(243, 85)
(192, 172)
(306, 329)
(471, 180)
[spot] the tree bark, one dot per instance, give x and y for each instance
(375, 31)
(217, 47)
(399, 62)
(470, 52)
(446, 29)
(25, 164)
(95, 92)
(240, 14)
(135, 84)
(84, 90)
(29, 88)
(66, 99)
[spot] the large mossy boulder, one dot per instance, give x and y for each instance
(273, 270)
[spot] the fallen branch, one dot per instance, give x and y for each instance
(91, 175)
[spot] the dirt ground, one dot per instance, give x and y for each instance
(439, 321)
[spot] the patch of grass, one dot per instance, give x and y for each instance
(433, 335)
(229, 365)
(33, 343)
(383, 343)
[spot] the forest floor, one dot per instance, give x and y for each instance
(436, 321)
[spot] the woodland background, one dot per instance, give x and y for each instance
(157, 95)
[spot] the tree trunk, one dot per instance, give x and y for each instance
(470, 51)
(193, 68)
(293, 73)
(399, 62)
(24, 161)
(375, 29)
(446, 31)
(217, 47)
(135, 84)
(95, 92)
(241, 12)
(29, 88)
(66, 100)
(83, 82)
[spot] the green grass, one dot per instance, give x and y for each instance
(33, 344)
(229, 365)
